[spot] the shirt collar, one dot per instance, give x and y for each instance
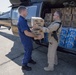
(23, 17)
(57, 21)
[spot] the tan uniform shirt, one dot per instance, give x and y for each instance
(53, 27)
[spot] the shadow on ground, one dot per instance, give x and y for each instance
(66, 66)
(17, 49)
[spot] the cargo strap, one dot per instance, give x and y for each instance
(54, 33)
(59, 26)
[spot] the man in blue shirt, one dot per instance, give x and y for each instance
(26, 38)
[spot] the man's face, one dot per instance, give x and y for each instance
(24, 12)
(55, 16)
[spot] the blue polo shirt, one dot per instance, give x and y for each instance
(22, 26)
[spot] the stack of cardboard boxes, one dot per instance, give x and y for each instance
(39, 22)
(53, 10)
(68, 35)
(74, 20)
(67, 17)
(74, 17)
(57, 9)
(48, 19)
(70, 39)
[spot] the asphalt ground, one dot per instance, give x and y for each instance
(11, 54)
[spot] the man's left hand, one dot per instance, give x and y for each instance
(35, 26)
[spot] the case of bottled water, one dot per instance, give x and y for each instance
(63, 35)
(71, 38)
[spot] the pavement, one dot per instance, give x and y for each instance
(11, 54)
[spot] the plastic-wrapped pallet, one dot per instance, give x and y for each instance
(64, 32)
(63, 36)
(69, 42)
(72, 32)
(71, 38)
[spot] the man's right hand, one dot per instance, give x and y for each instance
(39, 37)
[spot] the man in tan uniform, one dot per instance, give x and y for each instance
(53, 40)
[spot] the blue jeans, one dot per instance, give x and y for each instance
(27, 54)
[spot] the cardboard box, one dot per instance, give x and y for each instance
(37, 32)
(61, 10)
(67, 10)
(57, 9)
(53, 10)
(67, 17)
(74, 10)
(67, 23)
(74, 17)
(62, 23)
(37, 21)
(48, 17)
(73, 24)
(62, 18)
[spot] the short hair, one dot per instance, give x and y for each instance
(59, 13)
(21, 8)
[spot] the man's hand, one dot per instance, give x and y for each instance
(39, 37)
(35, 26)
(29, 34)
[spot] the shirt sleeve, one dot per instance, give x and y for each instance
(51, 28)
(23, 25)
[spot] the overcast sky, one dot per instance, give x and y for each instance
(4, 5)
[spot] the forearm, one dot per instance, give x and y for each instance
(29, 34)
(44, 29)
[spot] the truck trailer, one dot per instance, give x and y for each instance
(45, 10)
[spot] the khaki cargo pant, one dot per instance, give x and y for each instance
(52, 54)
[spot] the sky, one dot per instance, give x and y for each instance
(4, 5)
